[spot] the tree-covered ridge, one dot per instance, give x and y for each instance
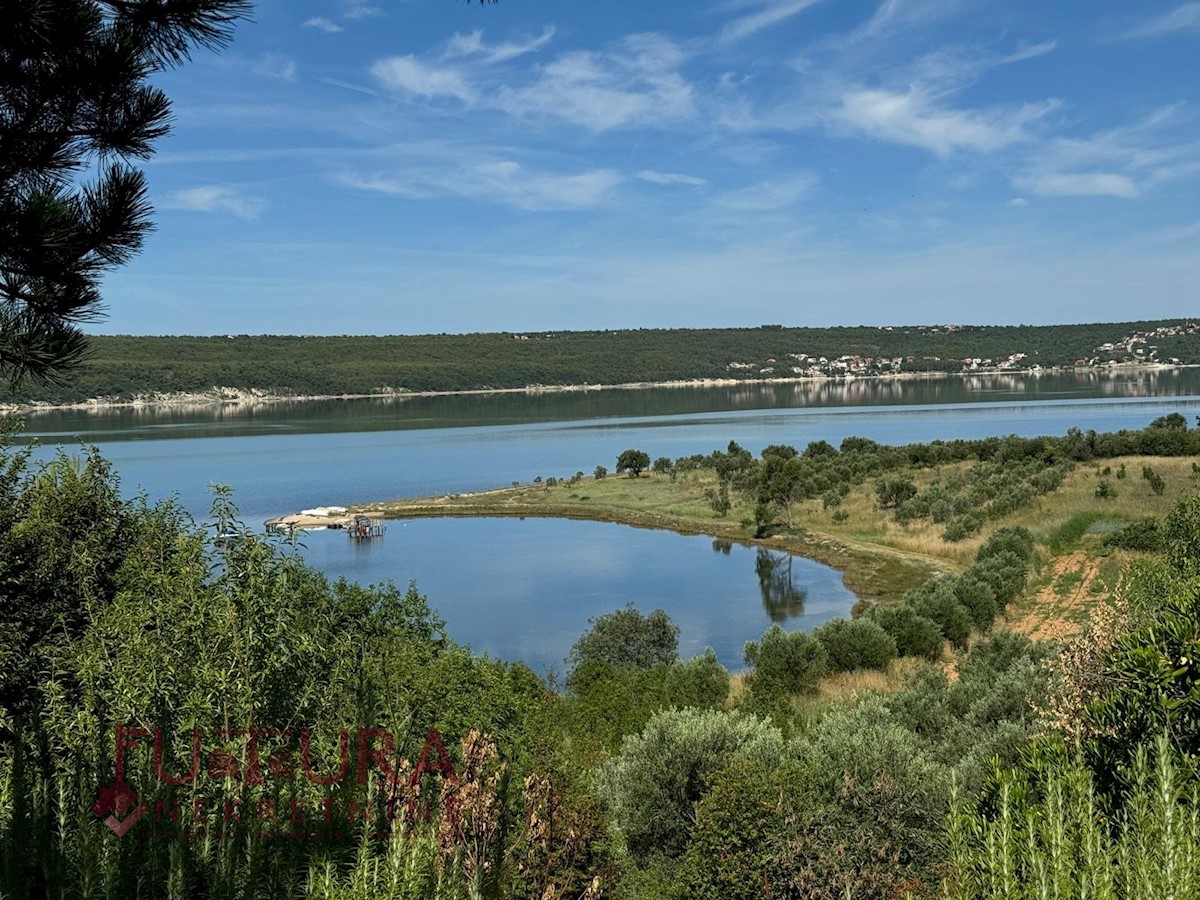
(125, 366)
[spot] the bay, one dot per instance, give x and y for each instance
(526, 589)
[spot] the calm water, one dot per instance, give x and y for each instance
(526, 589)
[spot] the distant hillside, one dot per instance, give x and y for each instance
(124, 367)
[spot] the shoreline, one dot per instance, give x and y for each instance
(874, 573)
(225, 396)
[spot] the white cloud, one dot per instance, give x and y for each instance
(497, 181)
(360, 9)
(215, 198)
(409, 75)
(1122, 162)
(1018, 202)
(275, 65)
(1078, 184)
(1182, 18)
(635, 83)
(915, 120)
(323, 24)
(472, 45)
(653, 177)
(769, 196)
(772, 14)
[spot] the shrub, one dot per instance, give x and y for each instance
(628, 638)
(894, 490)
(937, 601)
(1016, 540)
(739, 823)
(914, 634)
(600, 472)
(856, 644)
(785, 663)
(663, 465)
(866, 810)
(701, 681)
(977, 597)
(1145, 535)
(840, 515)
(718, 499)
(661, 773)
(1005, 573)
(962, 527)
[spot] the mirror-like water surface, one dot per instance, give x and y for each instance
(525, 588)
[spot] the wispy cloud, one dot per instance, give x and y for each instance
(276, 65)
(473, 45)
(653, 177)
(1120, 162)
(323, 24)
(407, 74)
(635, 82)
(769, 195)
(1183, 18)
(1077, 184)
(915, 120)
(497, 181)
(360, 9)
(215, 198)
(771, 14)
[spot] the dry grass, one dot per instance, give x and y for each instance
(879, 557)
(836, 690)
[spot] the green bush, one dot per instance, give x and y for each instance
(856, 644)
(1015, 540)
(1181, 530)
(962, 527)
(628, 638)
(938, 602)
(894, 490)
(977, 597)
(655, 782)
(914, 634)
(785, 663)
(701, 682)
(1145, 536)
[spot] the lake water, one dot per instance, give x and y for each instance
(525, 590)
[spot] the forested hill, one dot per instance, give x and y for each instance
(124, 367)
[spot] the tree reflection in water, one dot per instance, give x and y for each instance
(782, 598)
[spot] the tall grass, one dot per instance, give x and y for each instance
(53, 846)
(1049, 836)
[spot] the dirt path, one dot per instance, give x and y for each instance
(1054, 613)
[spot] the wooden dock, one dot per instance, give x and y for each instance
(358, 526)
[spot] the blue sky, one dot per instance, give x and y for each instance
(360, 166)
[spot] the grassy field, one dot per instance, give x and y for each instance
(880, 558)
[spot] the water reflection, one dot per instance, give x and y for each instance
(388, 413)
(782, 598)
